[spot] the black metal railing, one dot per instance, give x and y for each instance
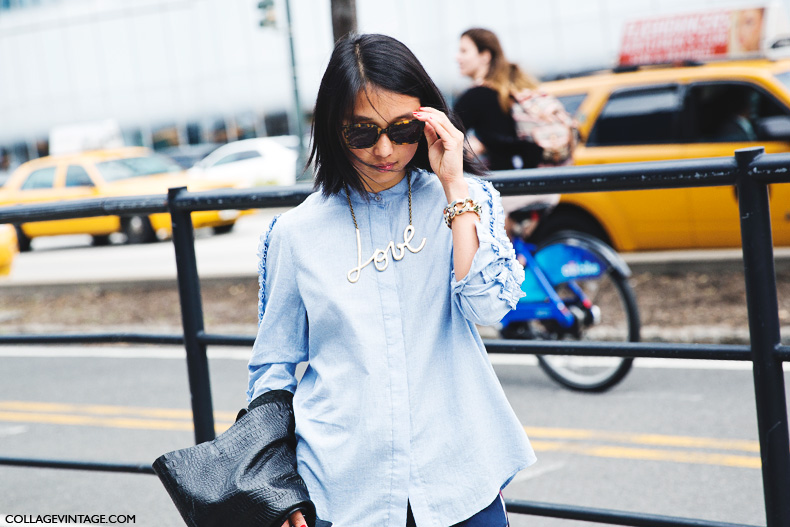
(750, 170)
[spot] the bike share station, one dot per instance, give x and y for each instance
(571, 270)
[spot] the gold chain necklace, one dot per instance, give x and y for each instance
(380, 258)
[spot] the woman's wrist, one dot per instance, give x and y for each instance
(456, 190)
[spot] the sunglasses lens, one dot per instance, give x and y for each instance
(408, 132)
(361, 136)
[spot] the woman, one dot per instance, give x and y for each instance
(485, 108)
(400, 419)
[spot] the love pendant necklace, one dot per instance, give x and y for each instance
(381, 257)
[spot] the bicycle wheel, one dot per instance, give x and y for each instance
(614, 318)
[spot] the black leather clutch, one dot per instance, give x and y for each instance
(246, 477)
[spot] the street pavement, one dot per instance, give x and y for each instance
(673, 439)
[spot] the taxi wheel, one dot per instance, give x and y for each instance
(100, 241)
(138, 230)
(224, 229)
(22, 239)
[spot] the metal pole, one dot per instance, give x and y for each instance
(344, 18)
(297, 102)
(192, 319)
(762, 305)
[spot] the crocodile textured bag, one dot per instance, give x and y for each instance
(246, 476)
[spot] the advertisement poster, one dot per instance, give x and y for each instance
(725, 33)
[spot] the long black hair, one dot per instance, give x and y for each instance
(360, 62)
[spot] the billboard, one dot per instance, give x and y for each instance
(719, 34)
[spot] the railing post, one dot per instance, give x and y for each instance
(762, 304)
(192, 319)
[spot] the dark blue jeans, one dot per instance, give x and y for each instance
(492, 516)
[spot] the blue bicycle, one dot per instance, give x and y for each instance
(576, 288)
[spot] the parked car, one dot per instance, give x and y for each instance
(258, 161)
(8, 248)
(660, 113)
(115, 172)
(188, 155)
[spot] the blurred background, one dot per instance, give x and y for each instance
(164, 73)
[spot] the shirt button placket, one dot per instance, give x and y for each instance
(396, 355)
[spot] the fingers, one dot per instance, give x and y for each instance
(296, 520)
(445, 143)
(430, 131)
(439, 127)
(437, 122)
(430, 135)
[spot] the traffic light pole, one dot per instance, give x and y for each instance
(270, 20)
(297, 102)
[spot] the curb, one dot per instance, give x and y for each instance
(671, 262)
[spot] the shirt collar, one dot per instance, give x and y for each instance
(396, 192)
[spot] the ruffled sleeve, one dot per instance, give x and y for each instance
(281, 342)
(493, 285)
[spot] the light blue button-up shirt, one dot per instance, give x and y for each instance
(399, 401)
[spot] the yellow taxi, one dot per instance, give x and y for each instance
(116, 172)
(8, 248)
(655, 113)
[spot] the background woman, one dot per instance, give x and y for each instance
(400, 419)
(485, 107)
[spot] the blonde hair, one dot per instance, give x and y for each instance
(503, 77)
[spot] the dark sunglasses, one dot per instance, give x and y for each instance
(365, 135)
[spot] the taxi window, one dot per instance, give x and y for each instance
(784, 78)
(41, 178)
(76, 176)
(572, 102)
(728, 112)
(130, 167)
(638, 117)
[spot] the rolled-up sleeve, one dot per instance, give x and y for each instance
(281, 342)
(493, 285)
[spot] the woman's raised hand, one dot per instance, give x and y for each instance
(445, 145)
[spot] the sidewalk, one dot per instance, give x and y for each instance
(243, 266)
(665, 282)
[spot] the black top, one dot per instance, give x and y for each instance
(479, 110)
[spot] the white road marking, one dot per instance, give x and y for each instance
(109, 352)
(537, 470)
(12, 430)
(695, 364)
(507, 359)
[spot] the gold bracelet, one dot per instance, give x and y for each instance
(459, 207)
